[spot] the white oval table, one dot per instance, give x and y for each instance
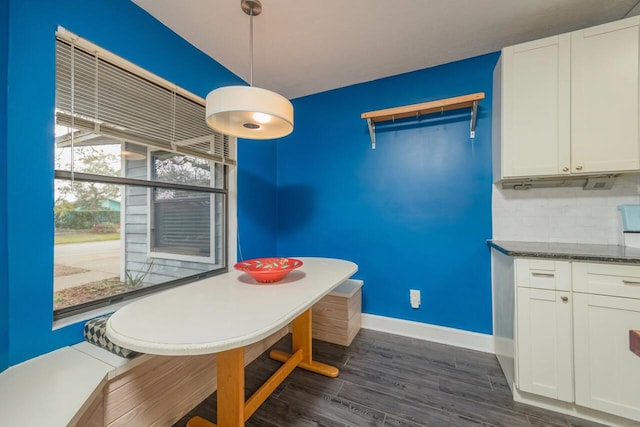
(225, 313)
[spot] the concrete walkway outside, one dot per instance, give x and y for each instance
(102, 259)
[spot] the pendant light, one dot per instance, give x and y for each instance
(246, 111)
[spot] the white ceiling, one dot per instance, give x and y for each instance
(303, 47)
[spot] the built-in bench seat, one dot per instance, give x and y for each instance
(337, 317)
(86, 385)
(50, 390)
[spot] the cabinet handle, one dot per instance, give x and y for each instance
(564, 299)
(565, 169)
(631, 282)
(634, 342)
(578, 168)
(546, 275)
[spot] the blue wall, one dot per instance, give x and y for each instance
(257, 209)
(126, 30)
(415, 212)
(4, 288)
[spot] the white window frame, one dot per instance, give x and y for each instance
(211, 259)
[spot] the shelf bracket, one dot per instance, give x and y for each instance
(472, 125)
(372, 133)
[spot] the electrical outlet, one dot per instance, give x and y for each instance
(414, 298)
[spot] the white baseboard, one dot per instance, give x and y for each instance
(427, 332)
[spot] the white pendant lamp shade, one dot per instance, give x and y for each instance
(246, 111)
(249, 112)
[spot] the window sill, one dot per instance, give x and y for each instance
(187, 258)
(88, 315)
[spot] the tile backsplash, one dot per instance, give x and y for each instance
(563, 214)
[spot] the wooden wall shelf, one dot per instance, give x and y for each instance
(417, 110)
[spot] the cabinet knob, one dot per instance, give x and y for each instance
(565, 169)
(564, 299)
(579, 168)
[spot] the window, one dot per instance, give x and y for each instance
(181, 221)
(141, 183)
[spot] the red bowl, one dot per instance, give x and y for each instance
(268, 270)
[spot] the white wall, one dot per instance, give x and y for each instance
(570, 215)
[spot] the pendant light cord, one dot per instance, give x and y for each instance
(251, 45)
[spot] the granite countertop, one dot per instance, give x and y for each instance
(568, 251)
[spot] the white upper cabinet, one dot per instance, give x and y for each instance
(536, 107)
(569, 104)
(604, 104)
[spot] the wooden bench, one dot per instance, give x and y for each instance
(87, 386)
(51, 389)
(337, 317)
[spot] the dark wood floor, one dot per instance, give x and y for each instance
(388, 380)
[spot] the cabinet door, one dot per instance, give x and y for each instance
(544, 343)
(604, 97)
(607, 373)
(536, 108)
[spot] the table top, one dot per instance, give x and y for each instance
(223, 312)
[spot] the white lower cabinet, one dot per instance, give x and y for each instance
(607, 372)
(572, 323)
(543, 338)
(545, 365)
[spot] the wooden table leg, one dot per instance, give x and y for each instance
(231, 388)
(232, 409)
(199, 422)
(230, 391)
(302, 340)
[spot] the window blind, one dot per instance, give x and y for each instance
(96, 95)
(182, 226)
